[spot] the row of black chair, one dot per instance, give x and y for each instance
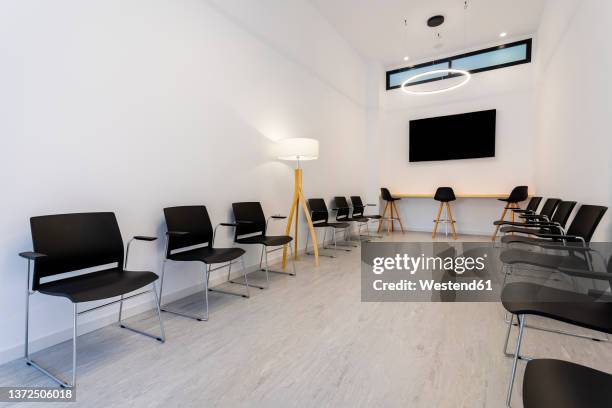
(548, 246)
(68, 243)
(76, 242)
(345, 217)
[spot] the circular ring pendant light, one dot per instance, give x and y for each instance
(436, 21)
(467, 76)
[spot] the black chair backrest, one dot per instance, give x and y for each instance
(251, 212)
(358, 207)
(343, 211)
(192, 219)
(318, 210)
(549, 207)
(445, 194)
(519, 194)
(534, 203)
(586, 221)
(73, 242)
(386, 194)
(564, 210)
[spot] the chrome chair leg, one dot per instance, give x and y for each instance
(516, 358)
(161, 338)
(323, 246)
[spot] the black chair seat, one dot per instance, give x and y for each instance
(208, 255)
(570, 307)
(332, 225)
(373, 217)
(543, 260)
(266, 240)
(98, 285)
(560, 384)
(358, 219)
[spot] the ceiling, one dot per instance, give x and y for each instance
(376, 28)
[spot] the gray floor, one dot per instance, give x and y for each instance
(308, 341)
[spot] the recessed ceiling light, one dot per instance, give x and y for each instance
(502, 35)
(406, 58)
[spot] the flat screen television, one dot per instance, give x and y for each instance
(455, 137)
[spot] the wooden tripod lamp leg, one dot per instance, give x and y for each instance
(298, 197)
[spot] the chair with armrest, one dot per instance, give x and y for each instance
(530, 215)
(518, 195)
(393, 214)
(578, 235)
(74, 242)
(545, 215)
(254, 232)
(320, 219)
(343, 214)
(531, 207)
(556, 225)
(190, 238)
(523, 299)
(359, 211)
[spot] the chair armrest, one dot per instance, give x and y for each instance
(32, 256)
(530, 225)
(279, 217)
(235, 223)
(586, 274)
(532, 216)
(176, 233)
(521, 211)
(144, 238)
(559, 236)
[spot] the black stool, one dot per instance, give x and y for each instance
(518, 194)
(391, 218)
(445, 195)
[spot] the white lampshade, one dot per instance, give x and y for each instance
(297, 149)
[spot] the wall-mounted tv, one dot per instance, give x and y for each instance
(455, 137)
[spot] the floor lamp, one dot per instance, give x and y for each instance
(298, 150)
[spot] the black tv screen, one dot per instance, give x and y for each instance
(455, 137)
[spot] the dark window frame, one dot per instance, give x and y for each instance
(528, 42)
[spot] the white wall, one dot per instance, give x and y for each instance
(575, 104)
(132, 106)
(511, 92)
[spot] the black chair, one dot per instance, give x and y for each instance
(581, 229)
(528, 216)
(556, 225)
(393, 214)
(343, 214)
(565, 246)
(445, 195)
(320, 219)
(188, 227)
(531, 208)
(583, 310)
(561, 384)
(72, 242)
(518, 195)
(359, 211)
(253, 231)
